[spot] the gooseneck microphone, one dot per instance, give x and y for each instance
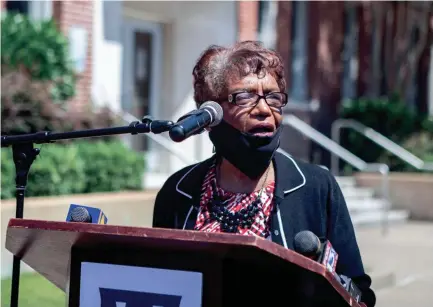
(209, 114)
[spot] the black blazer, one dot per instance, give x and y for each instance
(307, 197)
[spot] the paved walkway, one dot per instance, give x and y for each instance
(407, 253)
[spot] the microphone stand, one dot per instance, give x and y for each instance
(24, 154)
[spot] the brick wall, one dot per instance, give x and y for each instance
(78, 13)
(248, 13)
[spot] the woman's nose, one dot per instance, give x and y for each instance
(262, 108)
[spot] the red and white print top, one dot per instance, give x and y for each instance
(235, 203)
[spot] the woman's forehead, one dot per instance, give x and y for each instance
(254, 81)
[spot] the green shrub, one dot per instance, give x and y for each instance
(41, 49)
(82, 167)
(26, 107)
(110, 166)
(7, 174)
(57, 171)
(37, 79)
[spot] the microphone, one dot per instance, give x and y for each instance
(83, 214)
(209, 114)
(309, 245)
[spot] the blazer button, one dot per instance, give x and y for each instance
(276, 232)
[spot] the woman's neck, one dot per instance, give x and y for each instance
(232, 179)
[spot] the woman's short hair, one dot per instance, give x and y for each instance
(218, 66)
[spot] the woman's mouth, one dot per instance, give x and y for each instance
(262, 131)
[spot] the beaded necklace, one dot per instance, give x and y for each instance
(231, 221)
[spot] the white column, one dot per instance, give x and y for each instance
(107, 53)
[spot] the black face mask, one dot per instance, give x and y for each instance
(248, 153)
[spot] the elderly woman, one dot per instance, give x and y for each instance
(248, 187)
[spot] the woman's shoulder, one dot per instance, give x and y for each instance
(311, 173)
(189, 173)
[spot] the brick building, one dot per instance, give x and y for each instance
(139, 55)
(67, 14)
(329, 48)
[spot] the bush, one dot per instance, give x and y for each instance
(84, 167)
(110, 166)
(390, 117)
(38, 79)
(7, 174)
(40, 49)
(26, 107)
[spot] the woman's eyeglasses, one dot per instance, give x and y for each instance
(250, 100)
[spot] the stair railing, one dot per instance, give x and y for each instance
(380, 140)
(336, 149)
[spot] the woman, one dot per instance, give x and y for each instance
(248, 187)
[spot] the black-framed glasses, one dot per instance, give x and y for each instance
(250, 99)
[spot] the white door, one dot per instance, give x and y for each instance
(142, 56)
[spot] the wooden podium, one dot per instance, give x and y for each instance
(102, 265)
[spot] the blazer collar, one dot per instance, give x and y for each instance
(187, 184)
(288, 176)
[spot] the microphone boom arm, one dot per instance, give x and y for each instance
(147, 125)
(24, 154)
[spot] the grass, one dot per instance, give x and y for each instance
(35, 290)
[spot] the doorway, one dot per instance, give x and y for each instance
(141, 74)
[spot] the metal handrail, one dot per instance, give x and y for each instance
(380, 140)
(337, 150)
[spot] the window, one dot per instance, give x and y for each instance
(350, 54)
(36, 9)
(299, 73)
(21, 7)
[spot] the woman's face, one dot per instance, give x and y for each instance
(260, 120)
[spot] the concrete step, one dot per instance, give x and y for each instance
(346, 181)
(370, 218)
(365, 205)
(357, 193)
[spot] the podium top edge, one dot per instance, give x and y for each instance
(22, 227)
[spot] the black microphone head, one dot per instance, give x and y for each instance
(177, 133)
(307, 243)
(216, 110)
(80, 215)
(209, 114)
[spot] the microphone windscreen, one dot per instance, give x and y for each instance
(81, 215)
(85, 214)
(307, 243)
(216, 110)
